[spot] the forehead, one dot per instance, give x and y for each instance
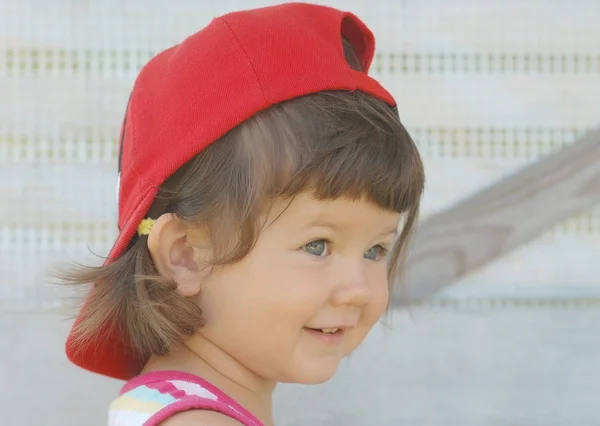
(305, 211)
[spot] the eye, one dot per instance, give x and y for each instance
(377, 252)
(318, 248)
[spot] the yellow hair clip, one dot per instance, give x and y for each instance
(145, 226)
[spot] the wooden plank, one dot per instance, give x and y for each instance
(497, 219)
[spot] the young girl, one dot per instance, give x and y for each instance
(267, 190)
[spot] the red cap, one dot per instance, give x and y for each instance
(193, 93)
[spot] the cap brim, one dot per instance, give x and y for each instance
(368, 84)
(107, 353)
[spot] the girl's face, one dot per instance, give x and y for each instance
(308, 292)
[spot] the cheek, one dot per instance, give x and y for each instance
(282, 290)
(384, 297)
(379, 302)
(370, 316)
(372, 312)
(292, 277)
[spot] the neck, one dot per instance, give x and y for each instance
(203, 358)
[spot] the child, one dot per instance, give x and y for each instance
(267, 190)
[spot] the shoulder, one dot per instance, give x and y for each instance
(176, 399)
(200, 418)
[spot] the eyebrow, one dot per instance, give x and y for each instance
(389, 232)
(322, 224)
(328, 224)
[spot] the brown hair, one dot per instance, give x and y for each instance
(337, 144)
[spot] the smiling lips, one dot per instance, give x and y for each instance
(329, 335)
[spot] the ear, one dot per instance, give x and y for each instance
(173, 254)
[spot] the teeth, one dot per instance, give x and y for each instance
(329, 330)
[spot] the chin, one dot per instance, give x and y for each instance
(313, 374)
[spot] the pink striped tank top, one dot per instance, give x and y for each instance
(151, 398)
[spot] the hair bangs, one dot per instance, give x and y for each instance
(325, 144)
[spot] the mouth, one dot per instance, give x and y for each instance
(329, 336)
(326, 330)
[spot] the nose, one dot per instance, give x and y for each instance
(353, 286)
